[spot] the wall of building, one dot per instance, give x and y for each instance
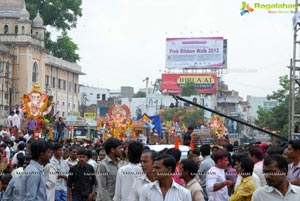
(256, 102)
(93, 94)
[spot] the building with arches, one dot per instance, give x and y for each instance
(24, 60)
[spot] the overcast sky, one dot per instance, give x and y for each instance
(121, 42)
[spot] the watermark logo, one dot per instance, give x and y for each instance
(246, 8)
(272, 8)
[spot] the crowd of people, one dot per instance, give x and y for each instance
(66, 170)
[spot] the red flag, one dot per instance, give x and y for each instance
(192, 143)
(176, 142)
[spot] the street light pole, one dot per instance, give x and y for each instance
(96, 110)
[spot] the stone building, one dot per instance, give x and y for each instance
(24, 61)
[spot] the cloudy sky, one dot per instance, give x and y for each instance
(123, 41)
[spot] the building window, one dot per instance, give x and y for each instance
(73, 106)
(47, 80)
(98, 96)
(1, 68)
(63, 103)
(64, 85)
(75, 88)
(63, 114)
(53, 82)
(70, 87)
(6, 29)
(35, 72)
(16, 29)
(7, 70)
(59, 83)
(103, 97)
(6, 96)
(23, 30)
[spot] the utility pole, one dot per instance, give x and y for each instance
(147, 82)
(84, 99)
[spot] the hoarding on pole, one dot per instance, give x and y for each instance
(204, 83)
(204, 52)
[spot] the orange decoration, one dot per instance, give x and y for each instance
(192, 143)
(176, 143)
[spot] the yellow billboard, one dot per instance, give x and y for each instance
(89, 115)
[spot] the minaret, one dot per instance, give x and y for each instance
(24, 23)
(38, 30)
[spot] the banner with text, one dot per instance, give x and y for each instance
(205, 52)
(204, 83)
(90, 115)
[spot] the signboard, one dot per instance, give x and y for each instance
(89, 115)
(204, 83)
(75, 113)
(205, 52)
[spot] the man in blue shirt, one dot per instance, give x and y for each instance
(33, 182)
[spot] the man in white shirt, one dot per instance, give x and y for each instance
(16, 120)
(72, 160)
(256, 154)
(278, 188)
(165, 188)
(9, 119)
(147, 160)
(91, 161)
(2, 132)
(127, 174)
(21, 147)
(216, 183)
(62, 169)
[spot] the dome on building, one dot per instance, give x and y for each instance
(24, 14)
(38, 21)
(11, 8)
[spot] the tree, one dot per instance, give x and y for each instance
(277, 119)
(63, 16)
(189, 89)
(140, 94)
(188, 117)
(65, 48)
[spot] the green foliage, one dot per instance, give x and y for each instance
(188, 117)
(65, 48)
(281, 95)
(189, 89)
(277, 118)
(140, 94)
(61, 15)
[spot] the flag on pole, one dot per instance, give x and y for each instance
(176, 142)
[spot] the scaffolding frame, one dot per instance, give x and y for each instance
(294, 95)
